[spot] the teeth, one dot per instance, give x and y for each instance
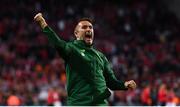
(88, 33)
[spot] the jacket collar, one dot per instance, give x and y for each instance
(81, 43)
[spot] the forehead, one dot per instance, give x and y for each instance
(82, 23)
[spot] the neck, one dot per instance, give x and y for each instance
(82, 42)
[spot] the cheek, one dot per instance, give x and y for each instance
(81, 35)
(93, 32)
(81, 32)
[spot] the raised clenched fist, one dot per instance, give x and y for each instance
(41, 21)
(130, 84)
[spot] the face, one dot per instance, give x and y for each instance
(84, 31)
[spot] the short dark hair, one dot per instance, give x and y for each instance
(86, 19)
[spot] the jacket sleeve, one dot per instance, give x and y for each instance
(61, 46)
(111, 80)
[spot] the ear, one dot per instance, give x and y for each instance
(76, 34)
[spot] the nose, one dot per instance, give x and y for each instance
(88, 29)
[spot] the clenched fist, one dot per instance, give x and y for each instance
(130, 84)
(41, 21)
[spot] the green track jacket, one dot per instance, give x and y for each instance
(89, 74)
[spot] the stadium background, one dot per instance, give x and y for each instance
(139, 37)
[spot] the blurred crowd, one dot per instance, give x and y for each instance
(139, 37)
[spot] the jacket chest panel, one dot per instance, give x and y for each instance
(88, 57)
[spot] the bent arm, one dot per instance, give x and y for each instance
(111, 80)
(60, 45)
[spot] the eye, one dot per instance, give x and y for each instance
(90, 27)
(84, 27)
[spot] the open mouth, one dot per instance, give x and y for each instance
(88, 35)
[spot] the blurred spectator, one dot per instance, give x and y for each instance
(146, 96)
(53, 98)
(172, 99)
(13, 100)
(162, 95)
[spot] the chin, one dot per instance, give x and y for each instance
(89, 42)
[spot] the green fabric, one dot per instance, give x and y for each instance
(89, 74)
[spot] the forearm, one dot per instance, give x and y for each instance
(113, 83)
(60, 45)
(53, 38)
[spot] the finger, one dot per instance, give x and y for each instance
(37, 15)
(132, 84)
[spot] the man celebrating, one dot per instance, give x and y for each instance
(89, 74)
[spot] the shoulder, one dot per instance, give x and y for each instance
(71, 43)
(100, 54)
